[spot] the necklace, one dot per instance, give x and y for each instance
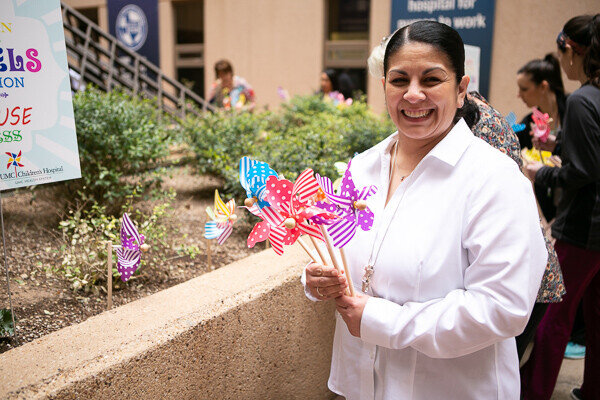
(370, 267)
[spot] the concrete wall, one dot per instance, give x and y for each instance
(523, 30)
(271, 43)
(244, 331)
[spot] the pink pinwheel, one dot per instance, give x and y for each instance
(291, 208)
(129, 254)
(541, 130)
(351, 208)
(263, 231)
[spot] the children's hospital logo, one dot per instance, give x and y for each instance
(132, 26)
(14, 160)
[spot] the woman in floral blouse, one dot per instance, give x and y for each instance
(230, 91)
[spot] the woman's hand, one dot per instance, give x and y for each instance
(549, 145)
(351, 310)
(531, 169)
(325, 282)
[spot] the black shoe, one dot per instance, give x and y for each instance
(576, 394)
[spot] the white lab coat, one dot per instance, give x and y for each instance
(455, 280)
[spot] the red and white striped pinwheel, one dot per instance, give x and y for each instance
(291, 208)
(263, 231)
(351, 208)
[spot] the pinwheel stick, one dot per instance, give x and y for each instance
(308, 250)
(109, 302)
(208, 253)
(332, 253)
(314, 242)
(348, 277)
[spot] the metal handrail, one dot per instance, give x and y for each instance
(99, 58)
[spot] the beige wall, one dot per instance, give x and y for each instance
(521, 32)
(269, 42)
(243, 331)
(380, 12)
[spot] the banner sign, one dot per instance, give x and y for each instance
(38, 143)
(135, 24)
(472, 19)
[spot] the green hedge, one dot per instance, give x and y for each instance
(305, 133)
(120, 137)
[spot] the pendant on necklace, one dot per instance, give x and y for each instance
(366, 280)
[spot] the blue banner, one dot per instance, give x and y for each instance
(135, 24)
(472, 19)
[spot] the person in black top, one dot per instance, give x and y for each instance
(540, 85)
(577, 224)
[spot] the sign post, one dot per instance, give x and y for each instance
(38, 143)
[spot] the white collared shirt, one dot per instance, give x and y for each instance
(455, 279)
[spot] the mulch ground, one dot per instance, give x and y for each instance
(44, 301)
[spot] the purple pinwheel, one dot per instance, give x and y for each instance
(351, 207)
(129, 254)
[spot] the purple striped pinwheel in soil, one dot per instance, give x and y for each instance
(351, 207)
(129, 254)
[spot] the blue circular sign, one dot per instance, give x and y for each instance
(132, 26)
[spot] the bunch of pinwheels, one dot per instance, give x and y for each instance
(290, 210)
(129, 253)
(222, 219)
(541, 130)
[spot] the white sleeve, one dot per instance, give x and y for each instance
(306, 291)
(507, 257)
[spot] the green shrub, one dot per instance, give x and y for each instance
(86, 233)
(305, 133)
(118, 136)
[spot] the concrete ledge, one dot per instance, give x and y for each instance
(243, 331)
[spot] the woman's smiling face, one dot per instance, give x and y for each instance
(421, 92)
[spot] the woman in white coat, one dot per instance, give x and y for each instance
(453, 263)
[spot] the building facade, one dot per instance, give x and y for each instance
(288, 43)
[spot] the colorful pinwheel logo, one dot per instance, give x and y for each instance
(14, 160)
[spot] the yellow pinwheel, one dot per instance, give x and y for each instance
(222, 219)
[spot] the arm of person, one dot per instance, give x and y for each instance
(507, 256)
(580, 146)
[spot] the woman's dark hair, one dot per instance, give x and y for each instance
(445, 39)
(223, 66)
(584, 30)
(333, 78)
(547, 70)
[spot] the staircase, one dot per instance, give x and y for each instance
(99, 58)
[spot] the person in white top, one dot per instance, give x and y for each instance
(454, 260)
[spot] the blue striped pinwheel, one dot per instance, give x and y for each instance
(129, 254)
(351, 207)
(253, 177)
(511, 118)
(222, 219)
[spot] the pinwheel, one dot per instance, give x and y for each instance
(253, 178)
(291, 208)
(352, 209)
(351, 205)
(511, 118)
(223, 217)
(129, 253)
(541, 130)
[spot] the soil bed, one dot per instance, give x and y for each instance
(44, 301)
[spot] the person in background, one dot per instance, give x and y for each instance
(577, 224)
(540, 85)
(494, 129)
(229, 91)
(335, 86)
(451, 268)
